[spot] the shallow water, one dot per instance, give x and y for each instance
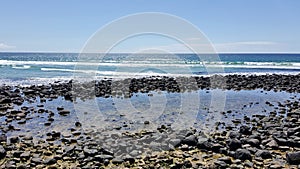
(180, 110)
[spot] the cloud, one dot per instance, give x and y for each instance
(4, 46)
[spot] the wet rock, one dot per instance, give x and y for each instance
(246, 130)
(293, 158)
(243, 154)
(103, 157)
(64, 112)
(227, 160)
(14, 139)
(272, 144)
(28, 91)
(117, 160)
(5, 100)
(78, 124)
(175, 142)
(2, 152)
(130, 159)
(204, 144)
(264, 154)
(234, 134)
(25, 155)
(60, 108)
(3, 138)
(23, 121)
(220, 164)
(49, 161)
(36, 160)
(234, 144)
(253, 142)
(190, 140)
(90, 152)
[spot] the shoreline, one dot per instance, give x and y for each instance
(66, 79)
(258, 140)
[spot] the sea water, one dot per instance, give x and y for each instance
(32, 68)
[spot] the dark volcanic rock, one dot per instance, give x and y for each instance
(245, 130)
(220, 164)
(190, 140)
(5, 100)
(3, 138)
(36, 160)
(234, 144)
(64, 112)
(117, 160)
(243, 154)
(49, 161)
(25, 155)
(2, 152)
(293, 157)
(14, 139)
(264, 154)
(204, 144)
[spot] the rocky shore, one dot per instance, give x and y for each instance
(263, 140)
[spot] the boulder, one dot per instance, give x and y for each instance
(293, 158)
(243, 154)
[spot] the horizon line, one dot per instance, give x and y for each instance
(56, 52)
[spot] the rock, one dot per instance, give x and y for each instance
(36, 160)
(220, 164)
(25, 154)
(253, 142)
(245, 130)
(216, 147)
(64, 112)
(60, 108)
(190, 140)
(28, 91)
(281, 141)
(227, 160)
(2, 152)
(248, 164)
(5, 100)
(102, 158)
(49, 161)
(187, 164)
(129, 159)
(264, 154)
(293, 158)
(204, 144)
(90, 152)
(234, 134)
(14, 139)
(117, 160)
(78, 124)
(3, 138)
(175, 142)
(272, 144)
(243, 154)
(234, 144)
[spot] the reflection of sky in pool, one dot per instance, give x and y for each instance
(159, 108)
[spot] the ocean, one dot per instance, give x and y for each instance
(36, 68)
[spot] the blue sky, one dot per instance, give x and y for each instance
(231, 25)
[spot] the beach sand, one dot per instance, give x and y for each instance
(233, 121)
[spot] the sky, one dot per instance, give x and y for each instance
(232, 26)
